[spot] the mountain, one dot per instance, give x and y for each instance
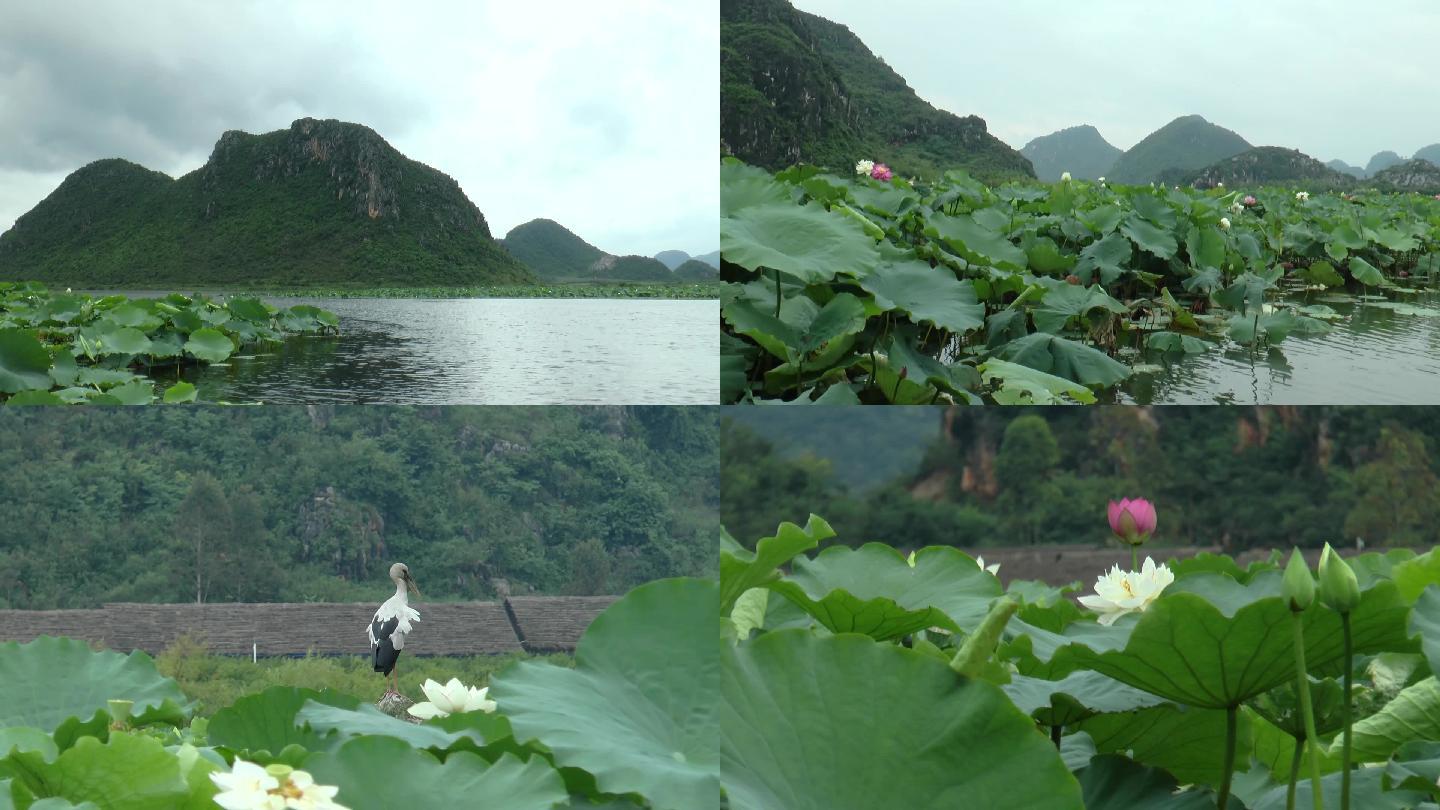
(712, 258)
(1263, 165)
(556, 254)
(321, 202)
(796, 88)
(1188, 142)
(672, 258)
(1382, 160)
(1081, 150)
(1411, 175)
(1341, 166)
(1430, 153)
(695, 270)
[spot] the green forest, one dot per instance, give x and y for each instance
(314, 503)
(1236, 478)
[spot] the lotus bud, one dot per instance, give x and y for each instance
(1298, 586)
(1339, 589)
(1224, 223)
(1064, 177)
(1133, 521)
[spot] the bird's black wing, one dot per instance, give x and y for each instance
(385, 653)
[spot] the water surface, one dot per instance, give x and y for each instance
(482, 351)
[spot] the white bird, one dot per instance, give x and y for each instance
(391, 625)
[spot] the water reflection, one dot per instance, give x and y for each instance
(1384, 350)
(484, 351)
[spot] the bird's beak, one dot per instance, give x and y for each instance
(410, 583)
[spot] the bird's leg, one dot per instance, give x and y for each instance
(395, 677)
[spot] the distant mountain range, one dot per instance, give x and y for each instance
(555, 253)
(797, 88)
(1082, 151)
(322, 202)
(1193, 151)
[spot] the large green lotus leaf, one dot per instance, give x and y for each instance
(1366, 791)
(1206, 246)
(875, 591)
(1274, 748)
(62, 680)
(1184, 740)
(977, 243)
(124, 340)
(1064, 358)
(1416, 766)
(1046, 257)
(250, 309)
(1067, 301)
(1175, 342)
(743, 186)
(1211, 642)
(1365, 272)
(638, 709)
(1412, 715)
(811, 723)
(368, 720)
(1075, 697)
(383, 773)
(1425, 621)
(210, 345)
(806, 242)
(24, 363)
(133, 314)
(264, 724)
(1150, 238)
(128, 772)
(760, 325)
(1022, 385)
(1112, 782)
(742, 569)
(928, 294)
(842, 315)
(1111, 256)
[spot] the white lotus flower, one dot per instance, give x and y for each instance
(1120, 592)
(452, 698)
(1302, 196)
(1220, 185)
(1065, 177)
(864, 166)
(993, 569)
(1102, 181)
(275, 787)
(1224, 223)
(1237, 208)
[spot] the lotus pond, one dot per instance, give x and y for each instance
(58, 348)
(850, 290)
(855, 677)
(632, 725)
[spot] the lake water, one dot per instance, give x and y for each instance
(487, 351)
(1374, 354)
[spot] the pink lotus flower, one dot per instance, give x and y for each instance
(881, 172)
(1249, 201)
(1437, 196)
(1132, 521)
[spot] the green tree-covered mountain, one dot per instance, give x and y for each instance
(673, 259)
(1411, 175)
(1264, 165)
(1188, 142)
(1345, 168)
(696, 270)
(1081, 150)
(796, 88)
(1430, 153)
(555, 253)
(323, 202)
(314, 503)
(1381, 161)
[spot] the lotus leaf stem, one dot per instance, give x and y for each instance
(1231, 722)
(1294, 773)
(1345, 714)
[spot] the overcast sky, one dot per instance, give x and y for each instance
(1332, 78)
(601, 116)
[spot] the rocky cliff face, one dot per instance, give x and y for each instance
(799, 88)
(1267, 164)
(1412, 175)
